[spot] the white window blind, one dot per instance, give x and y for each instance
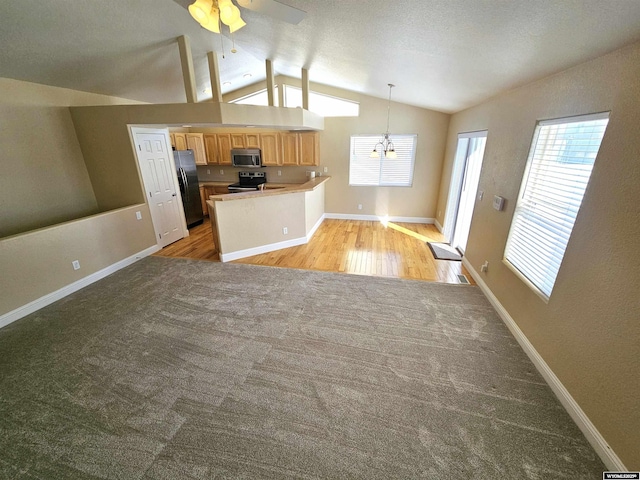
(381, 171)
(559, 166)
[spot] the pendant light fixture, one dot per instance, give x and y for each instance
(386, 145)
(209, 14)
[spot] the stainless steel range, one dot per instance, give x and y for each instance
(248, 181)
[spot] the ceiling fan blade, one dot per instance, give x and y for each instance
(275, 9)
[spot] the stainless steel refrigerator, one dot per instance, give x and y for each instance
(189, 187)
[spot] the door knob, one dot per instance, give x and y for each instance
(173, 194)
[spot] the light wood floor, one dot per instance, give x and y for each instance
(358, 247)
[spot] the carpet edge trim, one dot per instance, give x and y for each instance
(589, 430)
(49, 298)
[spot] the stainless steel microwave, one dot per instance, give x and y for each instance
(246, 157)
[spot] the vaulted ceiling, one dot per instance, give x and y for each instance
(444, 55)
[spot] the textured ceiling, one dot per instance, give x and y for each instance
(445, 55)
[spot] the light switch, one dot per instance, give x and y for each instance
(139, 215)
(498, 203)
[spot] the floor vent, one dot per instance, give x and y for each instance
(463, 279)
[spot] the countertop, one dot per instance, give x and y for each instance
(270, 189)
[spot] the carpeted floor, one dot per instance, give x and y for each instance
(175, 369)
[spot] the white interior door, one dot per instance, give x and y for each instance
(158, 174)
(464, 187)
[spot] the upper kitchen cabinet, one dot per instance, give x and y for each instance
(195, 142)
(309, 149)
(211, 148)
(290, 148)
(224, 148)
(245, 140)
(271, 149)
(179, 141)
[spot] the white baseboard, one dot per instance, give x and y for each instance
(593, 436)
(377, 218)
(227, 257)
(48, 299)
(438, 226)
(315, 227)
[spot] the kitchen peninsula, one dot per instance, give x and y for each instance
(280, 216)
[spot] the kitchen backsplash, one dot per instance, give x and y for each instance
(288, 174)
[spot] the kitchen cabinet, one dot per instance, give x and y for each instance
(309, 149)
(211, 148)
(224, 148)
(300, 148)
(195, 142)
(179, 141)
(290, 148)
(245, 140)
(271, 151)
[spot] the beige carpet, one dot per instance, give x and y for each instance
(175, 369)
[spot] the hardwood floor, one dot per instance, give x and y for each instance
(358, 247)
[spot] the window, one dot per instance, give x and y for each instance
(258, 98)
(381, 171)
(324, 105)
(558, 169)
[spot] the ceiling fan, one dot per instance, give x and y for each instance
(211, 13)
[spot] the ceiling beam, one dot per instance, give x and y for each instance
(214, 75)
(187, 69)
(305, 89)
(270, 83)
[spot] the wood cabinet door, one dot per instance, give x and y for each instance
(271, 151)
(180, 140)
(172, 137)
(211, 148)
(238, 140)
(309, 149)
(252, 140)
(195, 142)
(290, 148)
(224, 148)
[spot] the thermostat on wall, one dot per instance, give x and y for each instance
(498, 203)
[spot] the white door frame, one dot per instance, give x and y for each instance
(133, 133)
(455, 186)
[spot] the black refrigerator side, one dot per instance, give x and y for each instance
(189, 187)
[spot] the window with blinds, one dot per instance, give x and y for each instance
(381, 171)
(558, 169)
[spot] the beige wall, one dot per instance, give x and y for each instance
(44, 179)
(416, 201)
(254, 222)
(38, 263)
(314, 207)
(589, 332)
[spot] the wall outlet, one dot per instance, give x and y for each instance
(285, 230)
(208, 171)
(485, 266)
(326, 169)
(359, 206)
(139, 215)
(221, 172)
(76, 265)
(279, 173)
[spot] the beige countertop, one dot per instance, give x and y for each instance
(271, 189)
